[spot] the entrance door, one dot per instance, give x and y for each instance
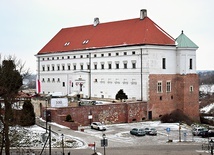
(150, 115)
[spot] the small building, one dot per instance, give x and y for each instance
(135, 55)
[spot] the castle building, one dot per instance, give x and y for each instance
(135, 55)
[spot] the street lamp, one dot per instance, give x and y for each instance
(211, 144)
(46, 118)
(104, 143)
(63, 153)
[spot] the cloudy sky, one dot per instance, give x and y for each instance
(27, 25)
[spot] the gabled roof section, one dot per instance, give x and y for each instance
(184, 42)
(112, 34)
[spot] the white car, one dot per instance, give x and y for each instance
(98, 126)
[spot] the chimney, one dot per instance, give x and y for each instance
(96, 21)
(143, 13)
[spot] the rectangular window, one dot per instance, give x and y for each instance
(109, 54)
(58, 80)
(48, 68)
(53, 80)
(74, 57)
(81, 56)
(117, 66)
(53, 68)
(125, 65)
(69, 67)
(133, 65)
(95, 66)
(109, 66)
(168, 86)
(163, 63)
(125, 53)
(190, 63)
(43, 68)
(63, 84)
(63, 67)
(102, 55)
(75, 67)
(117, 54)
(68, 57)
(133, 52)
(159, 87)
(88, 67)
(81, 66)
(58, 68)
(102, 66)
(95, 55)
(191, 89)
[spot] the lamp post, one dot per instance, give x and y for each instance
(63, 153)
(46, 118)
(211, 144)
(104, 143)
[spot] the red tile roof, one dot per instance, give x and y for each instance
(112, 34)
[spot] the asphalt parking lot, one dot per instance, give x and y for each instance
(119, 134)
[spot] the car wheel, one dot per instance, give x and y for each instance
(98, 128)
(91, 127)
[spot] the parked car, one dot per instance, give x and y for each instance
(199, 131)
(138, 132)
(207, 133)
(151, 131)
(98, 126)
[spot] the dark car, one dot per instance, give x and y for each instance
(138, 132)
(207, 133)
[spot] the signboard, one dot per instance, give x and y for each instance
(104, 142)
(168, 130)
(59, 102)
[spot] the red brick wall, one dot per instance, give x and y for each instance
(180, 96)
(108, 113)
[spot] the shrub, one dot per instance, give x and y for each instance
(175, 117)
(68, 118)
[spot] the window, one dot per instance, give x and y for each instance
(58, 67)
(81, 56)
(81, 66)
(43, 68)
(190, 63)
(53, 68)
(117, 66)
(69, 67)
(43, 79)
(58, 80)
(109, 54)
(63, 67)
(88, 66)
(133, 52)
(102, 55)
(95, 80)
(95, 66)
(133, 65)
(74, 57)
(43, 59)
(95, 55)
(68, 57)
(47, 58)
(102, 66)
(48, 79)
(117, 54)
(63, 84)
(125, 53)
(109, 66)
(125, 65)
(62, 57)
(57, 58)
(191, 89)
(168, 86)
(159, 87)
(52, 58)
(75, 67)
(163, 63)
(48, 68)
(53, 80)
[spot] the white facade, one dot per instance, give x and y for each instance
(112, 69)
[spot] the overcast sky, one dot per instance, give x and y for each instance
(27, 25)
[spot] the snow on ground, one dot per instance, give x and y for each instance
(207, 108)
(207, 88)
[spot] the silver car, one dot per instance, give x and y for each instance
(98, 126)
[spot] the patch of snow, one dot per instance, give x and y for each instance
(207, 108)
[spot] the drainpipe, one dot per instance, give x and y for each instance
(141, 73)
(89, 75)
